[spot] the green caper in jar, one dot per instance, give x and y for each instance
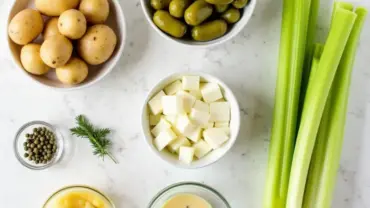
(221, 8)
(36, 149)
(177, 7)
(240, 3)
(231, 16)
(209, 31)
(197, 12)
(160, 4)
(219, 1)
(168, 24)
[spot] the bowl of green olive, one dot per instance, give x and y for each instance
(198, 22)
(38, 145)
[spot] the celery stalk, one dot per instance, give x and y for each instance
(340, 95)
(317, 94)
(271, 195)
(311, 35)
(315, 169)
(301, 17)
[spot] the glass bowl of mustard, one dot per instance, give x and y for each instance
(189, 194)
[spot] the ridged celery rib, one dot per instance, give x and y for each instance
(271, 195)
(317, 95)
(301, 18)
(315, 169)
(338, 113)
(311, 36)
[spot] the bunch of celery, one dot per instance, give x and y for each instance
(310, 105)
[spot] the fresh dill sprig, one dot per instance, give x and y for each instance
(96, 136)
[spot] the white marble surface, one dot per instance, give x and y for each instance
(247, 63)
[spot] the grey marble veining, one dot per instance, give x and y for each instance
(247, 64)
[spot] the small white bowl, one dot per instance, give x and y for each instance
(213, 156)
(116, 21)
(232, 31)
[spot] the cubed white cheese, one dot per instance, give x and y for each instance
(172, 119)
(164, 138)
(175, 145)
(190, 82)
(172, 105)
(225, 129)
(195, 136)
(211, 92)
(185, 126)
(220, 111)
(187, 100)
(209, 125)
(199, 117)
(154, 119)
(196, 93)
(201, 106)
(155, 104)
(186, 154)
(201, 148)
(163, 125)
(173, 88)
(222, 124)
(215, 137)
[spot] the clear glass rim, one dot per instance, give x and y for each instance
(22, 160)
(79, 186)
(155, 198)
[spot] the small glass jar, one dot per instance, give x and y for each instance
(20, 138)
(207, 193)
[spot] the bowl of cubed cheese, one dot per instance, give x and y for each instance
(190, 120)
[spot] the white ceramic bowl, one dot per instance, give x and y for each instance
(232, 31)
(215, 154)
(116, 21)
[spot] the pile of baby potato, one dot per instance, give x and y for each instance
(208, 19)
(81, 21)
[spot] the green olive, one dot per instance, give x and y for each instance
(221, 8)
(209, 31)
(177, 7)
(197, 12)
(169, 24)
(219, 1)
(231, 16)
(240, 3)
(159, 4)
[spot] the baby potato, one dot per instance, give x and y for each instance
(74, 72)
(97, 45)
(95, 11)
(31, 60)
(72, 24)
(56, 51)
(55, 8)
(51, 28)
(25, 26)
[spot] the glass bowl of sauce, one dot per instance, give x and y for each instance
(188, 195)
(78, 196)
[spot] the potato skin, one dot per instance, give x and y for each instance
(56, 51)
(97, 45)
(95, 11)
(55, 8)
(51, 28)
(25, 26)
(31, 59)
(74, 72)
(72, 24)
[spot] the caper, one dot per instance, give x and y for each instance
(32, 145)
(26, 155)
(36, 141)
(35, 150)
(28, 135)
(42, 139)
